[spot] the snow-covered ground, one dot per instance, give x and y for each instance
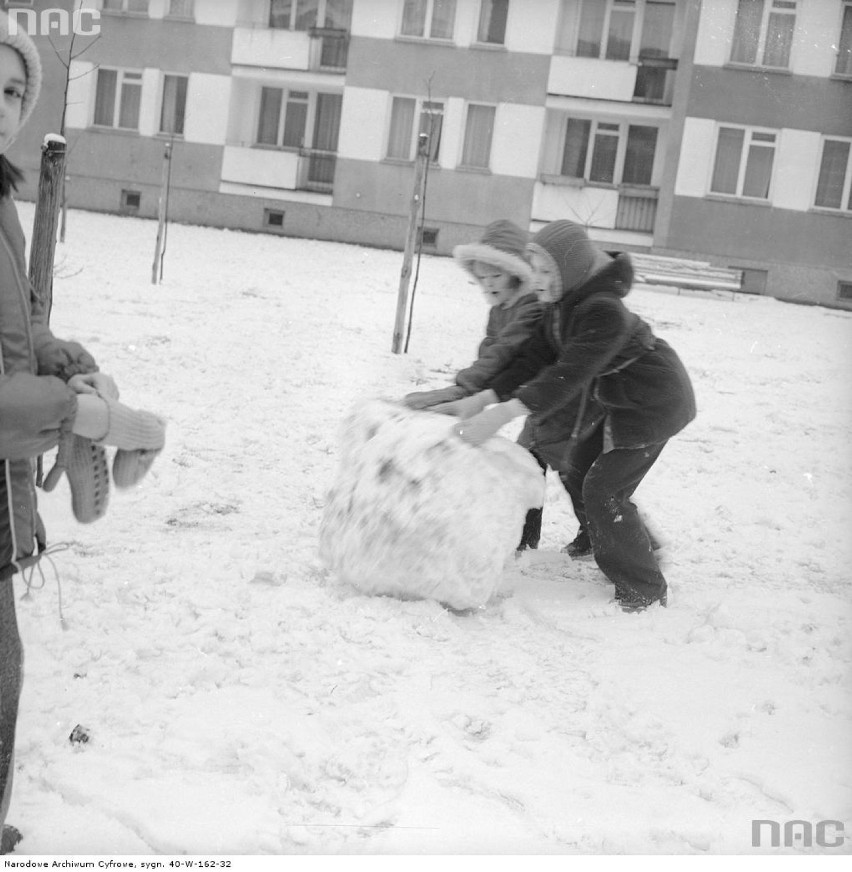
(240, 699)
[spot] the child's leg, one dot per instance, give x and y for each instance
(531, 534)
(112, 423)
(11, 674)
(584, 454)
(622, 547)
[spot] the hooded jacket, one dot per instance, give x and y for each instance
(593, 361)
(36, 404)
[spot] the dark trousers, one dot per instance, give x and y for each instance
(600, 486)
(11, 672)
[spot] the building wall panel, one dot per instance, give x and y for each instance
(772, 100)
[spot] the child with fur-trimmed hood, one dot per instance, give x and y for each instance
(499, 266)
(634, 395)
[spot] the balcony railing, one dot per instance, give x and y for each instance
(636, 211)
(655, 80)
(330, 48)
(316, 170)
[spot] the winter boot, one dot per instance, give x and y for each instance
(10, 837)
(581, 546)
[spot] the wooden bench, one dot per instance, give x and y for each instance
(683, 274)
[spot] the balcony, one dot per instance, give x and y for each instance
(329, 48)
(636, 210)
(655, 80)
(316, 170)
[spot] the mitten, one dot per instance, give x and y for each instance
(140, 437)
(425, 399)
(64, 359)
(467, 407)
(85, 464)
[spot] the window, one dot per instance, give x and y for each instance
(606, 29)
(835, 176)
(844, 290)
(844, 48)
(478, 133)
(130, 200)
(273, 218)
(306, 14)
(117, 98)
(763, 32)
(492, 21)
(282, 123)
(743, 166)
(609, 152)
(173, 110)
(140, 7)
(180, 9)
(429, 237)
(402, 144)
(428, 18)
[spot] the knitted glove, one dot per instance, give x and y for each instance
(140, 437)
(467, 407)
(483, 426)
(425, 399)
(85, 464)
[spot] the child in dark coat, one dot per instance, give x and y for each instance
(589, 346)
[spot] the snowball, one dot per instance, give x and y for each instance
(417, 513)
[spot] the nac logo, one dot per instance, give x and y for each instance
(797, 834)
(54, 22)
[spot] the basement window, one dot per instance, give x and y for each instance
(131, 200)
(844, 290)
(273, 218)
(429, 237)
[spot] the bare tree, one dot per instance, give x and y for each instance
(66, 57)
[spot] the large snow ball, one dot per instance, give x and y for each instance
(417, 513)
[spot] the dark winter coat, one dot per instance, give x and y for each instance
(509, 326)
(36, 404)
(589, 343)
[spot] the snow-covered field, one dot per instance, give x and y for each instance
(239, 699)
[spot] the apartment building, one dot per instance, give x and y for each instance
(712, 129)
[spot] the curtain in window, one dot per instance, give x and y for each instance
(576, 148)
(401, 125)
(779, 38)
(747, 32)
(131, 98)
(338, 13)
(620, 34)
(326, 130)
(174, 105)
(758, 171)
(604, 154)
(443, 18)
(657, 30)
(727, 168)
(270, 115)
(832, 174)
(639, 158)
(591, 27)
(844, 51)
(306, 14)
(105, 98)
(431, 123)
(492, 21)
(413, 18)
(295, 119)
(478, 134)
(180, 8)
(280, 12)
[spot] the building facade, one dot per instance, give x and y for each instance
(717, 130)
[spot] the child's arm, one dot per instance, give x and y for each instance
(526, 314)
(34, 411)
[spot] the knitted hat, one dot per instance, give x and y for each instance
(568, 245)
(25, 47)
(502, 245)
